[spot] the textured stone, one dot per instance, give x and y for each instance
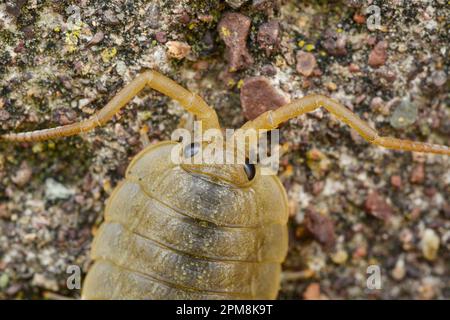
(378, 56)
(233, 30)
(377, 206)
(269, 36)
(177, 49)
(335, 44)
(306, 63)
(321, 227)
(258, 96)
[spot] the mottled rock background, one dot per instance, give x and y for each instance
(352, 205)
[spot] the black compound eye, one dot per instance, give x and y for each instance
(191, 150)
(250, 170)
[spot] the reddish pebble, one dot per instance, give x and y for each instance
(396, 181)
(233, 30)
(4, 212)
(321, 227)
(161, 37)
(354, 68)
(200, 65)
(377, 206)
(312, 292)
(258, 96)
(371, 41)
(360, 252)
(184, 18)
(268, 36)
(378, 56)
(20, 47)
(418, 174)
(306, 63)
(359, 18)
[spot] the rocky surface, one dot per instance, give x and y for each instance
(352, 205)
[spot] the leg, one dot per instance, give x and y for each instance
(191, 102)
(272, 119)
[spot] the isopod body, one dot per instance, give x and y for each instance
(172, 233)
(197, 231)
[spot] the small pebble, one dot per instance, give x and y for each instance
(110, 17)
(306, 63)
(23, 175)
(4, 212)
(396, 181)
(121, 68)
(97, 38)
(13, 289)
(399, 271)
(64, 115)
(378, 56)
(430, 244)
(208, 18)
(264, 4)
(268, 70)
(354, 68)
(340, 256)
(402, 48)
(335, 44)
(269, 36)
(331, 86)
(312, 292)
(233, 30)
(200, 65)
(418, 174)
(321, 227)
(406, 238)
(359, 18)
(378, 105)
(377, 206)
(153, 17)
(439, 78)
(235, 3)
(177, 49)
(405, 114)
(386, 74)
(258, 96)
(161, 37)
(14, 7)
(55, 190)
(4, 115)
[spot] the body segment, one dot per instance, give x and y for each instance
(172, 234)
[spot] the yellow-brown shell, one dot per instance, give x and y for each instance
(171, 234)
